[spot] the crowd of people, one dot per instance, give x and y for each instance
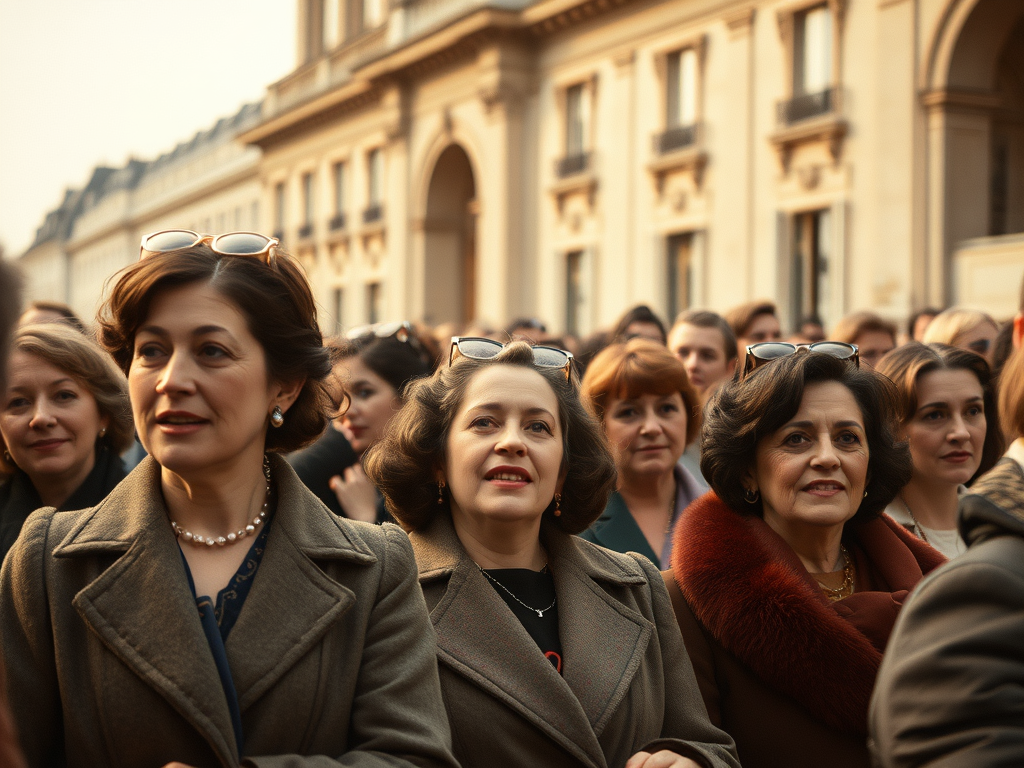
(228, 540)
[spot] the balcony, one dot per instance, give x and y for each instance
(373, 213)
(675, 138)
(305, 231)
(572, 165)
(337, 222)
(807, 105)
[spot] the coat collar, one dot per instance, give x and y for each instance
(291, 605)
(995, 503)
(481, 639)
(751, 592)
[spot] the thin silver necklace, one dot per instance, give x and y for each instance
(539, 611)
(917, 526)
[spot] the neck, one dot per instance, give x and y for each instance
(500, 544)
(217, 505)
(933, 504)
(647, 491)
(54, 490)
(817, 548)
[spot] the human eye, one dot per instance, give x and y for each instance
(934, 415)
(365, 393)
(795, 439)
(976, 410)
(624, 412)
(539, 427)
(213, 352)
(16, 403)
(482, 422)
(849, 438)
(148, 351)
(66, 395)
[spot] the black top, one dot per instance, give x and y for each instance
(19, 497)
(537, 590)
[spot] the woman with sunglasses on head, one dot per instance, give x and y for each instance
(211, 610)
(64, 420)
(374, 364)
(640, 393)
(786, 579)
(946, 401)
(552, 651)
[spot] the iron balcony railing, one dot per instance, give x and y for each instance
(373, 213)
(306, 230)
(572, 165)
(337, 222)
(807, 105)
(677, 137)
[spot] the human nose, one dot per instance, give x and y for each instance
(42, 415)
(176, 375)
(958, 430)
(510, 441)
(651, 424)
(825, 455)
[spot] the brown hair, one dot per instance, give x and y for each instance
(65, 312)
(634, 368)
(404, 464)
(740, 318)
(702, 318)
(278, 308)
(1011, 395)
(743, 412)
(851, 326)
(905, 366)
(66, 348)
(948, 326)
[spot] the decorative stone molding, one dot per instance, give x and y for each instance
(829, 129)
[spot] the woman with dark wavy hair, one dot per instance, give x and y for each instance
(786, 580)
(552, 651)
(211, 610)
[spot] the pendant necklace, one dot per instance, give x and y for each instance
(539, 611)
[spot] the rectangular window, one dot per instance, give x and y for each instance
(373, 13)
(332, 23)
(338, 174)
(279, 212)
(812, 51)
(307, 198)
(681, 98)
(375, 173)
(374, 303)
(575, 120)
(679, 273)
(313, 37)
(339, 310)
(573, 292)
(810, 279)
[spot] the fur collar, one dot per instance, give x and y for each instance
(751, 592)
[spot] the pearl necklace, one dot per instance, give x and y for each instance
(231, 538)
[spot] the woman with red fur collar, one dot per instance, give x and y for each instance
(785, 578)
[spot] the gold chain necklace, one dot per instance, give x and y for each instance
(846, 588)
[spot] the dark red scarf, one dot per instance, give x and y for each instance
(749, 589)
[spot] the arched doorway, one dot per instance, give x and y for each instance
(450, 240)
(976, 135)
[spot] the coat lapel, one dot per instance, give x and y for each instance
(617, 530)
(292, 603)
(481, 639)
(132, 605)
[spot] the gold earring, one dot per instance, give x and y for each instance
(440, 491)
(558, 505)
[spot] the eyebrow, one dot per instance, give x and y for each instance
(945, 404)
(500, 407)
(810, 424)
(202, 330)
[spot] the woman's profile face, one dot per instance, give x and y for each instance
(372, 403)
(50, 421)
(504, 454)
(947, 432)
(981, 339)
(647, 434)
(812, 472)
(198, 382)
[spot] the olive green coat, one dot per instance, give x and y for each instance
(332, 654)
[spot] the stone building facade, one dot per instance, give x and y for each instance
(460, 160)
(209, 183)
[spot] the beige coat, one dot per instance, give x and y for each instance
(331, 655)
(627, 684)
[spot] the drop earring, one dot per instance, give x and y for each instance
(277, 417)
(558, 505)
(440, 492)
(751, 495)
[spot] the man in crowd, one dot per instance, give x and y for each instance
(706, 346)
(753, 323)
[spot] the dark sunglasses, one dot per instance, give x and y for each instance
(229, 244)
(767, 351)
(476, 348)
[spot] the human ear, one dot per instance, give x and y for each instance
(287, 393)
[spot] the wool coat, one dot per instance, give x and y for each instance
(786, 673)
(332, 655)
(950, 691)
(626, 683)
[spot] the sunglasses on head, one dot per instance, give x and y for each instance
(767, 351)
(476, 348)
(401, 330)
(229, 244)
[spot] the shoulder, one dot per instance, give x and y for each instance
(606, 565)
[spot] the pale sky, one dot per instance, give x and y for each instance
(91, 82)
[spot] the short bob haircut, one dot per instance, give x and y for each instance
(905, 366)
(64, 347)
(743, 412)
(1011, 395)
(405, 463)
(950, 325)
(276, 303)
(634, 368)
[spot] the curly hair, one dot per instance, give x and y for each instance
(743, 412)
(405, 463)
(905, 366)
(276, 303)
